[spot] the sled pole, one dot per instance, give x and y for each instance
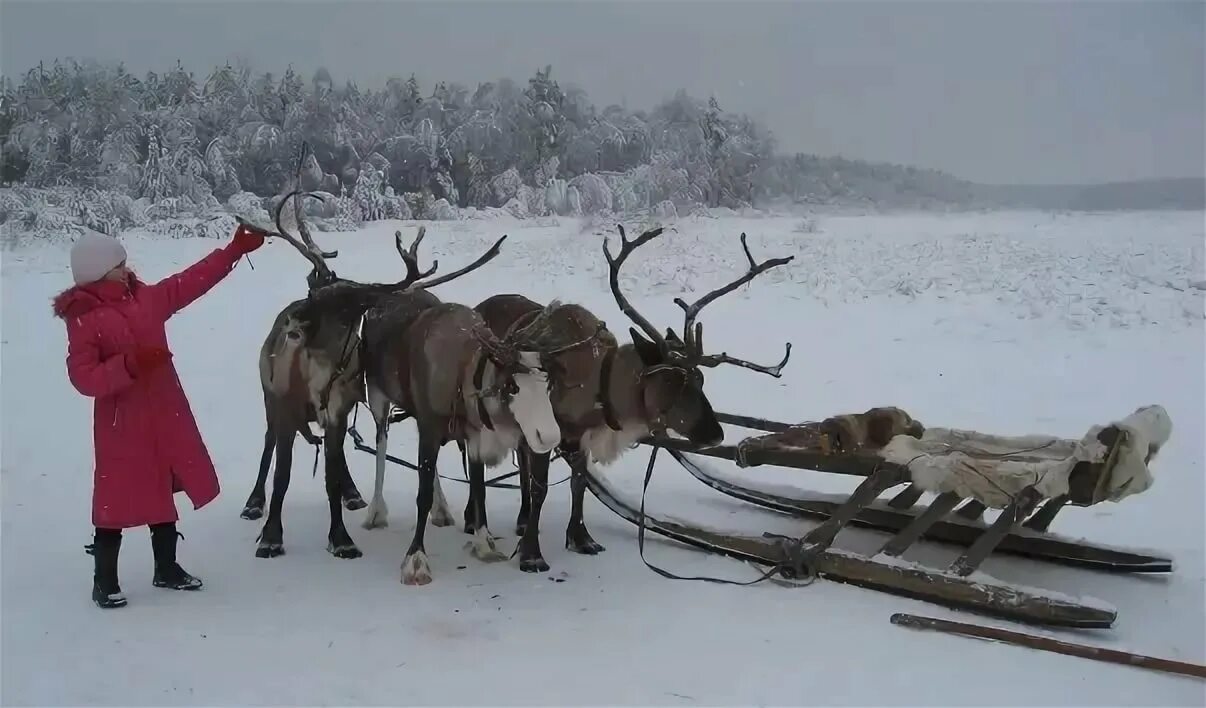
(1047, 644)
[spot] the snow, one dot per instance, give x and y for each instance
(1009, 323)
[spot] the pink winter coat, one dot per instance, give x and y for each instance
(147, 445)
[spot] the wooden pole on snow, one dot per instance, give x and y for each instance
(1047, 644)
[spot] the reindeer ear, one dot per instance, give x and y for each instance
(647, 350)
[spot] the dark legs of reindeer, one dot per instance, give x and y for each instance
(525, 499)
(475, 507)
(535, 469)
(348, 491)
(254, 508)
(577, 538)
(339, 542)
(272, 541)
(482, 546)
(415, 568)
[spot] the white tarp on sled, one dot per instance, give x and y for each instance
(993, 469)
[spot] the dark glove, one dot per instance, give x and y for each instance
(247, 239)
(146, 360)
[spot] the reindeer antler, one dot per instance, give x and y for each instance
(692, 341)
(410, 256)
(614, 265)
(483, 259)
(306, 246)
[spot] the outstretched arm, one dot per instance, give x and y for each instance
(176, 292)
(89, 374)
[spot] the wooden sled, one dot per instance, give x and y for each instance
(1031, 479)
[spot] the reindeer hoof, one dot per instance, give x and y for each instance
(354, 503)
(377, 516)
(442, 519)
(269, 550)
(533, 565)
(581, 542)
(375, 522)
(251, 513)
(344, 551)
(416, 570)
(482, 547)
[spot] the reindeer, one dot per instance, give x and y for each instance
(607, 397)
(310, 370)
(440, 364)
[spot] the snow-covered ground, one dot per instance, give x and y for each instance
(1008, 323)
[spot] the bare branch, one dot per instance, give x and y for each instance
(614, 265)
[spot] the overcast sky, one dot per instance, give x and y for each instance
(1006, 91)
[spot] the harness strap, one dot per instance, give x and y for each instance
(602, 399)
(346, 354)
(479, 373)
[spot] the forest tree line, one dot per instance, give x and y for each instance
(170, 144)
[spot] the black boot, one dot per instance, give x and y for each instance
(168, 573)
(106, 592)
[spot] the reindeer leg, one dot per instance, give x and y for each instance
(536, 468)
(471, 510)
(577, 538)
(350, 495)
(482, 546)
(254, 508)
(473, 468)
(525, 503)
(441, 515)
(377, 515)
(339, 541)
(416, 570)
(272, 536)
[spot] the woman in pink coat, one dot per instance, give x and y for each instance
(147, 446)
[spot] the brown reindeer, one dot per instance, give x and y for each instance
(440, 364)
(310, 370)
(607, 397)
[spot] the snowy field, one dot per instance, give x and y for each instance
(1008, 323)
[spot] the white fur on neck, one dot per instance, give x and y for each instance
(531, 407)
(605, 445)
(492, 447)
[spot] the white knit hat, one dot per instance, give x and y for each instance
(93, 255)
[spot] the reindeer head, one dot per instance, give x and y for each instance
(672, 381)
(522, 388)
